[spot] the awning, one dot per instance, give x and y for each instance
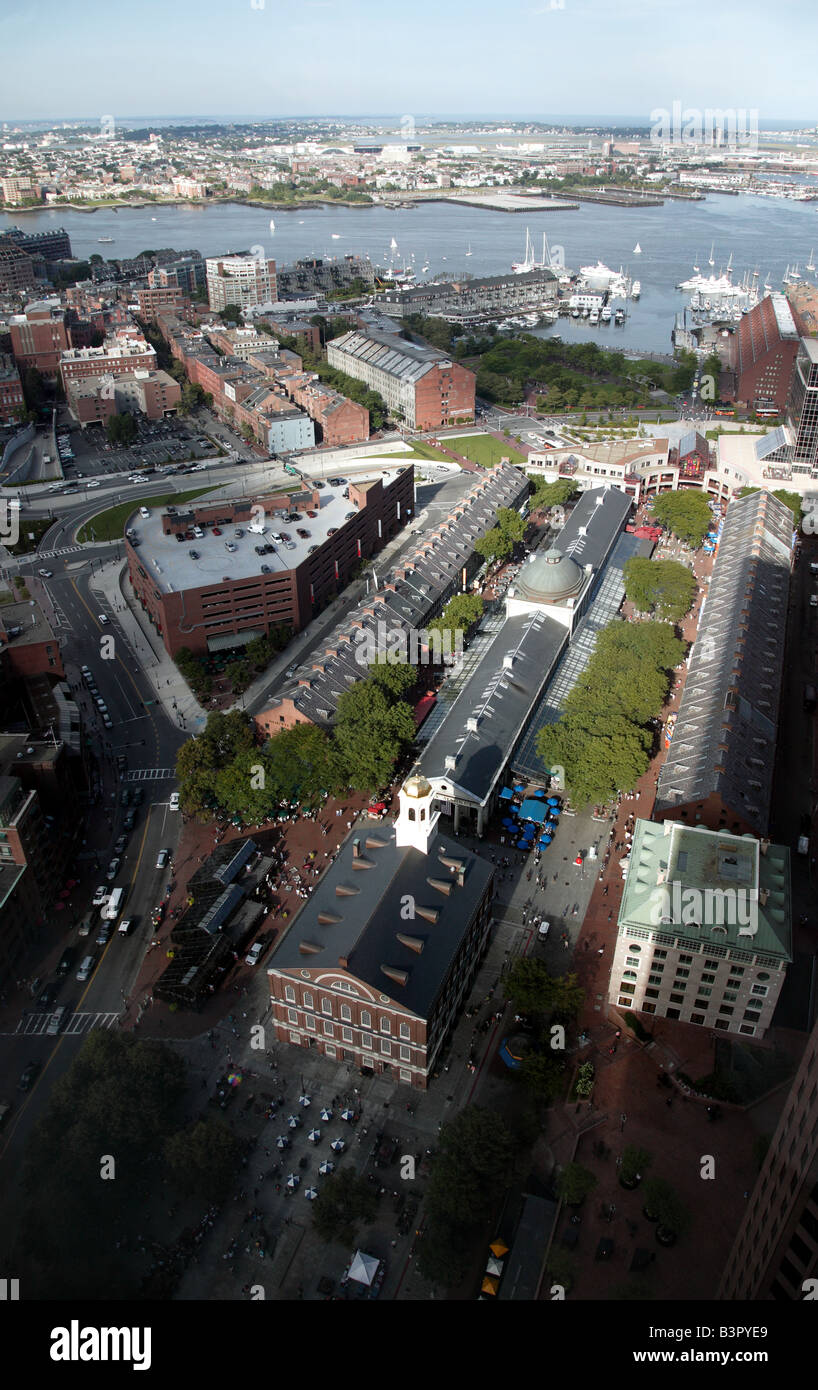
(533, 810)
(363, 1268)
(223, 641)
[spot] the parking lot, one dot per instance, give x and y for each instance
(158, 443)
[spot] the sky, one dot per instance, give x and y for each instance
(265, 58)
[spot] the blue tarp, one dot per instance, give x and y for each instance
(533, 810)
(506, 794)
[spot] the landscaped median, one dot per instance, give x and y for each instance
(110, 524)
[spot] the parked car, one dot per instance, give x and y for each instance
(125, 797)
(303, 533)
(104, 933)
(138, 795)
(162, 858)
(173, 804)
(47, 999)
(113, 870)
(103, 619)
(100, 896)
(128, 822)
(255, 953)
(56, 1021)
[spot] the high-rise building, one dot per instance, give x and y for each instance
(240, 280)
(803, 407)
(776, 1248)
(16, 267)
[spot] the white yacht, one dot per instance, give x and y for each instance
(636, 289)
(593, 317)
(605, 314)
(637, 250)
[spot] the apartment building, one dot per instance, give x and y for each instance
(704, 930)
(776, 1249)
(118, 356)
(466, 300)
(17, 188)
(719, 768)
(802, 408)
(239, 280)
(53, 245)
(160, 297)
(381, 959)
(419, 384)
(338, 420)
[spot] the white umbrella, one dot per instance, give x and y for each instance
(282, 1142)
(293, 1180)
(338, 1145)
(304, 1100)
(326, 1167)
(363, 1268)
(314, 1135)
(326, 1114)
(310, 1193)
(293, 1121)
(347, 1114)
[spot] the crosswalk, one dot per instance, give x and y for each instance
(148, 774)
(36, 1025)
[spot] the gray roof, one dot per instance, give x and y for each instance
(363, 927)
(724, 742)
(390, 353)
(408, 596)
(499, 699)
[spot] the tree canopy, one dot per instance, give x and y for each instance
(475, 1155)
(346, 1201)
(664, 587)
(687, 514)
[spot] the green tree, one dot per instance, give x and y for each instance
(203, 1159)
(687, 514)
(298, 764)
(475, 1154)
(370, 734)
(662, 1202)
(556, 494)
(793, 500)
(231, 313)
(574, 1184)
(543, 1074)
(635, 1163)
(121, 429)
(345, 1202)
(661, 586)
(395, 678)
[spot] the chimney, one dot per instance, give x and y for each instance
(450, 763)
(356, 848)
(343, 962)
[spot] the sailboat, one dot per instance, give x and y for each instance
(527, 263)
(469, 252)
(637, 250)
(810, 263)
(710, 258)
(272, 225)
(696, 268)
(336, 236)
(768, 289)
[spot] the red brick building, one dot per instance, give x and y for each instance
(93, 400)
(29, 641)
(376, 967)
(201, 596)
(165, 297)
(419, 384)
(120, 356)
(762, 354)
(339, 420)
(39, 337)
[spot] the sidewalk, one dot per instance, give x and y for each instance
(171, 690)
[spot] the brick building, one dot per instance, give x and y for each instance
(201, 596)
(377, 965)
(338, 420)
(53, 245)
(29, 641)
(762, 354)
(93, 400)
(119, 356)
(419, 384)
(162, 297)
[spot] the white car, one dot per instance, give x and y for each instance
(162, 858)
(173, 804)
(254, 954)
(100, 897)
(103, 619)
(93, 484)
(113, 870)
(543, 930)
(85, 968)
(45, 574)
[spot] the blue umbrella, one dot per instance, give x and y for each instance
(553, 801)
(539, 794)
(520, 788)
(555, 813)
(522, 844)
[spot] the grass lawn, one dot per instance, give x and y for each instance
(110, 525)
(484, 449)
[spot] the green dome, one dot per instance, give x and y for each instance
(549, 578)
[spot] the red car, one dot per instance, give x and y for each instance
(217, 530)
